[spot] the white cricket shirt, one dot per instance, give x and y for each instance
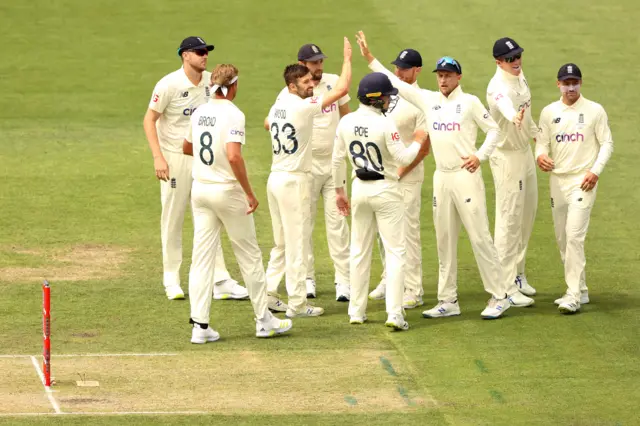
(291, 124)
(371, 142)
(324, 125)
(408, 119)
(213, 126)
(452, 122)
(507, 94)
(576, 137)
(175, 97)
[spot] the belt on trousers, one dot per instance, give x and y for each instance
(364, 174)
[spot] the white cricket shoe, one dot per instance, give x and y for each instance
(174, 292)
(523, 285)
(229, 289)
(569, 306)
(311, 288)
(396, 322)
(584, 298)
(307, 311)
(354, 319)
(410, 300)
(519, 300)
(443, 309)
(275, 304)
(272, 325)
(379, 292)
(203, 335)
(343, 292)
(495, 308)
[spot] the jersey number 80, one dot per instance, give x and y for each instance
(362, 152)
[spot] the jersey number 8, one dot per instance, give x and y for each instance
(363, 152)
(291, 135)
(206, 147)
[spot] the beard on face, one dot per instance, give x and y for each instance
(304, 93)
(316, 75)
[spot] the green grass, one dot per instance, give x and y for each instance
(75, 169)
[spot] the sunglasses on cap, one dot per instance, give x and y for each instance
(449, 61)
(513, 58)
(199, 52)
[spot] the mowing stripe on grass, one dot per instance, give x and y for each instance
(93, 355)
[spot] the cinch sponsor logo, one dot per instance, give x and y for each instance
(570, 137)
(237, 132)
(446, 127)
(330, 108)
(188, 111)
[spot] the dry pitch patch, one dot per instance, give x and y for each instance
(240, 382)
(77, 263)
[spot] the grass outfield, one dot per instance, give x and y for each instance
(79, 204)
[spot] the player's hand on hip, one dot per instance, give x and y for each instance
(545, 163)
(162, 168)
(342, 202)
(471, 163)
(253, 203)
(589, 182)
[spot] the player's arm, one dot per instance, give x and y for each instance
(339, 173)
(407, 91)
(266, 123)
(504, 105)
(543, 143)
(187, 146)
(604, 138)
(342, 86)
(483, 119)
(234, 139)
(159, 101)
(401, 153)
(421, 123)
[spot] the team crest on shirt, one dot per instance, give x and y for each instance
(437, 107)
(329, 87)
(581, 119)
(207, 92)
(458, 109)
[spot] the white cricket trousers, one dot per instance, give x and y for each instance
(288, 194)
(376, 206)
(571, 209)
(412, 197)
(459, 198)
(174, 195)
(515, 180)
(336, 225)
(216, 206)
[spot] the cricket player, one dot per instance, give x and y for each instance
(221, 196)
(575, 145)
(407, 119)
(375, 150)
(322, 137)
(453, 118)
(513, 166)
(174, 99)
(291, 122)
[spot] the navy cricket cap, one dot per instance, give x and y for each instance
(193, 43)
(375, 85)
(568, 71)
(506, 47)
(447, 63)
(310, 52)
(408, 58)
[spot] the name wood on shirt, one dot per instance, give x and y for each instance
(280, 113)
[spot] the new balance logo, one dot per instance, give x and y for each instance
(556, 120)
(580, 199)
(442, 310)
(468, 200)
(185, 94)
(262, 329)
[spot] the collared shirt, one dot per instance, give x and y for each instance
(507, 95)
(452, 122)
(291, 124)
(408, 118)
(576, 137)
(176, 98)
(213, 125)
(371, 142)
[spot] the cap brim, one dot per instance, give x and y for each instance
(314, 58)
(513, 53)
(401, 64)
(569, 77)
(447, 70)
(209, 48)
(392, 92)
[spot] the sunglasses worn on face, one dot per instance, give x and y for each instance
(199, 52)
(513, 58)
